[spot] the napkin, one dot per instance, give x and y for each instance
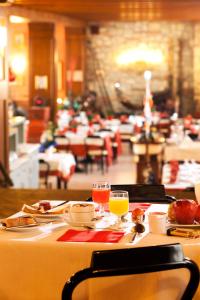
(103, 236)
(174, 169)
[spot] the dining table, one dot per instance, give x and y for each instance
(187, 150)
(180, 175)
(76, 144)
(36, 262)
(61, 165)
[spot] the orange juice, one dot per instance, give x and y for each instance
(100, 195)
(118, 206)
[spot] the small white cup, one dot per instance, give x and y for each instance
(197, 191)
(81, 212)
(157, 222)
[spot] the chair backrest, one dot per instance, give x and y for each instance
(61, 140)
(153, 149)
(44, 169)
(94, 141)
(62, 143)
(136, 261)
(152, 193)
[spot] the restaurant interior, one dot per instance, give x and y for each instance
(99, 152)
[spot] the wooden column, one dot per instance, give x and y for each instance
(41, 57)
(75, 60)
(4, 147)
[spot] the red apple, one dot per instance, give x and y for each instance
(197, 216)
(185, 211)
(171, 212)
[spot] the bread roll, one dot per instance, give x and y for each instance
(16, 222)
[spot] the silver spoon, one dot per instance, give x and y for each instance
(137, 229)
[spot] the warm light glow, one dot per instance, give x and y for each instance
(59, 101)
(18, 63)
(17, 20)
(141, 54)
(117, 85)
(147, 75)
(3, 37)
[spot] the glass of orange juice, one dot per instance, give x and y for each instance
(119, 204)
(100, 194)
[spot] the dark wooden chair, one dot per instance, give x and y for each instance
(151, 193)
(136, 261)
(44, 169)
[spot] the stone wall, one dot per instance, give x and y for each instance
(179, 43)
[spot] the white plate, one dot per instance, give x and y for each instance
(46, 216)
(79, 224)
(21, 228)
(183, 225)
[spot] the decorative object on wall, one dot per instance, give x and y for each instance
(41, 82)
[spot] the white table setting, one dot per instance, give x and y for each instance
(42, 259)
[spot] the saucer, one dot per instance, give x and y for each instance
(79, 224)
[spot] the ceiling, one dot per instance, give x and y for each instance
(116, 10)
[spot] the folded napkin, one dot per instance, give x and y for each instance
(104, 236)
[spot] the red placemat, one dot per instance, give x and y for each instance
(104, 236)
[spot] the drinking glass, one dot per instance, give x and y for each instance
(100, 194)
(119, 205)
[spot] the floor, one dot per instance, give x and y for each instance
(121, 172)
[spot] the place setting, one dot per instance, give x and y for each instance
(104, 219)
(36, 216)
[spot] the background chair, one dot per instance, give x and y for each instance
(62, 143)
(44, 169)
(96, 151)
(152, 193)
(136, 261)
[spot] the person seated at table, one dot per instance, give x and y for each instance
(47, 138)
(15, 110)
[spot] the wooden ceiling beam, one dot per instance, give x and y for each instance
(117, 10)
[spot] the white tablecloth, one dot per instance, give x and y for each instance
(187, 175)
(178, 152)
(61, 162)
(34, 266)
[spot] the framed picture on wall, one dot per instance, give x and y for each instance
(41, 82)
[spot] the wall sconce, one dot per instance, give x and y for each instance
(18, 64)
(17, 20)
